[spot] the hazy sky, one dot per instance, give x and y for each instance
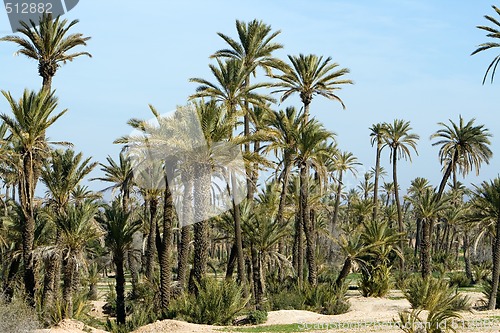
(409, 59)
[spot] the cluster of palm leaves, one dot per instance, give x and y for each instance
(299, 222)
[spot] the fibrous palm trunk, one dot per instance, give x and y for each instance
(187, 216)
(425, 248)
(375, 185)
(120, 288)
(337, 200)
(308, 224)
(165, 248)
(496, 269)
(398, 206)
(150, 247)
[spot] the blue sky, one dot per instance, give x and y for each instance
(408, 59)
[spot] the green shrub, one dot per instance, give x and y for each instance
(217, 303)
(257, 317)
(17, 317)
(326, 299)
(481, 271)
(375, 281)
(287, 300)
(459, 279)
(487, 291)
(437, 321)
(432, 293)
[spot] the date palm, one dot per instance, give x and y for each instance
(50, 44)
(120, 175)
(119, 230)
(492, 32)
(31, 116)
(284, 128)
(344, 162)
(232, 94)
(464, 147)
(428, 207)
(61, 175)
(377, 138)
(401, 141)
(78, 230)
(308, 76)
(253, 49)
(486, 210)
(312, 145)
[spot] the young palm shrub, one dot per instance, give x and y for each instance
(431, 293)
(120, 229)
(439, 320)
(216, 303)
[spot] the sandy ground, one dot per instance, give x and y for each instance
(363, 313)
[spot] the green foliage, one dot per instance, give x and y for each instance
(438, 320)
(257, 317)
(217, 303)
(459, 279)
(326, 299)
(17, 317)
(375, 282)
(431, 293)
(481, 271)
(56, 313)
(487, 291)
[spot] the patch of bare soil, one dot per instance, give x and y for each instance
(71, 326)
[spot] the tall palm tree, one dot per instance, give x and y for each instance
(61, 175)
(463, 147)
(492, 32)
(415, 191)
(399, 139)
(344, 162)
(120, 175)
(49, 43)
(311, 144)
(308, 76)
(253, 49)
(377, 138)
(428, 208)
(284, 128)
(233, 95)
(119, 230)
(78, 229)
(32, 116)
(486, 209)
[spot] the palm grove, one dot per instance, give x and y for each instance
(298, 234)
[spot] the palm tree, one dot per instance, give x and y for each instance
(49, 44)
(486, 209)
(311, 75)
(377, 137)
(254, 49)
(120, 229)
(463, 147)
(120, 175)
(231, 92)
(492, 32)
(78, 229)
(61, 175)
(428, 208)
(400, 140)
(312, 146)
(284, 128)
(32, 116)
(344, 162)
(416, 190)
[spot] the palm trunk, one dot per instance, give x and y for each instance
(164, 254)
(187, 212)
(466, 249)
(49, 281)
(68, 287)
(26, 193)
(375, 185)
(134, 261)
(418, 236)
(446, 176)
(344, 272)
(425, 248)
(237, 236)
(150, 247)
(120, 289)
(496, 268)
(398, 204)
(307, 224)
(257, 279)
(337, 200)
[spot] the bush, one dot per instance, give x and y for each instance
(17, 317)
(481, 271)
(432, 293)
(326, 299)
(287, 300)
(487, 291)
(459, 279)
(375, 281)
(217, 303)
(437, 321)
(257, 317)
